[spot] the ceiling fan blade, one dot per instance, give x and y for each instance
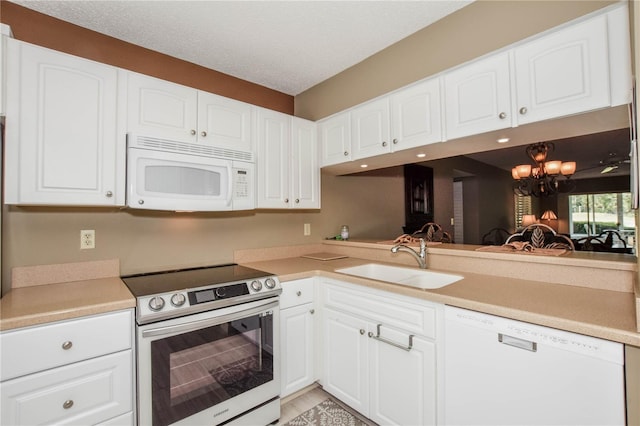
(609, 169)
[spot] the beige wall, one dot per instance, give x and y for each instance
(472, 31)
(146, 241)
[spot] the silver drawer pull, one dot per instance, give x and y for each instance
(67, 404)
(298, 293)
(517, 343)
(67, 345)
(390, 342)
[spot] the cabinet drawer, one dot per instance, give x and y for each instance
(382, 308)
(34, 349)
(296, 292)
(87, 392)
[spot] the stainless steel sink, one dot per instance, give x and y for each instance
(418, 278)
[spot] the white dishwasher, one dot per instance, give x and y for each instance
(505, 372)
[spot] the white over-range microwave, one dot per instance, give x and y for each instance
(178, 176)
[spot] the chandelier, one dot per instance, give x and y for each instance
(543, 178)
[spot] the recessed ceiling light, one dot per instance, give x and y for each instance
(503, 140)
(364, 166)
(421, 155)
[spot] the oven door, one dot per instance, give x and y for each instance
(209, 367)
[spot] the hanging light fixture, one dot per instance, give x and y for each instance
(541, 179)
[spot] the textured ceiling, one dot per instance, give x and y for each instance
(288, 46)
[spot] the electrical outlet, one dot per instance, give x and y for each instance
(307, 229)
(87, 239)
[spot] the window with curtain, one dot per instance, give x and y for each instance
(590, 214)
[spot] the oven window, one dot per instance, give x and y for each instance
(197, 370)
(182, 180)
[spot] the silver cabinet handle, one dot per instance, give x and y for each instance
(203, 133)
(67, 404)
(517, 343)
(298, 293)
(193, 132)
(141, 202)
(313, 311)
(286, 200)
(346, 153)
(390, 342)
(523, 110)
(67, 345)
(297, 201)
(361, 331)
(395, 141)
(384, 143)
(502, 115)
(109, 194)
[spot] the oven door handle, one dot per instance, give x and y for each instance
(196, 325)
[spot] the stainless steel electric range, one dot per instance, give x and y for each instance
(207, 346)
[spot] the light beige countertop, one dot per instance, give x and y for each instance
(33, 305)
(593, 309)
(536, 289)
(47, 293)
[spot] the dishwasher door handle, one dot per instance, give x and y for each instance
(517, 342)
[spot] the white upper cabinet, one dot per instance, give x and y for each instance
(335, 139)
(224, 122)
(161, 109)
(415, 115)
(62, 142)
(274, 136)
(370, 129)
(305, 171)
(165, 110)
(563, 73)
(5, 33)
(288, 172)
(405, 119)
(478, 97)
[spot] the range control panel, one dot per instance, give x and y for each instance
(184, 302)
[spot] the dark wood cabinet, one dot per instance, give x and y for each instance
(418, 197)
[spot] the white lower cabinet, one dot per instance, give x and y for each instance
(71, 372)
(297, 335)
(380, 353)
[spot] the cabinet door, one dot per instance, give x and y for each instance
(224, 123)
(563, 73)
(161, 109)
(370, 129)
(478, 97)
(274, 159)
(305, 172)
(345, 369)
(297, 337)
(415, 115)
(335, 139)
(403, 383)
(62, 145)
(83, 393)
(4, 35)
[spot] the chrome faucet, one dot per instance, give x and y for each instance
(420, 257)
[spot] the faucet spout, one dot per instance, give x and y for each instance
(420, 257)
